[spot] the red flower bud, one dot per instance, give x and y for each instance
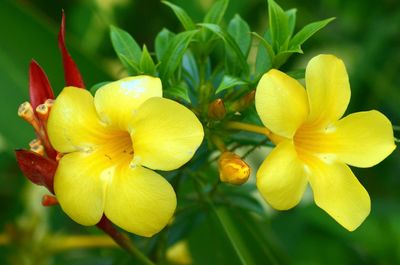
(49, 200)
(216, 109)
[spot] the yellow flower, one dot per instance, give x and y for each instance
(110, 144)
(316, 143)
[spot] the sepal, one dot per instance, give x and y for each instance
(38, 169)
(71, 72)
(39, 86)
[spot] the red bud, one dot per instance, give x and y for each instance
(49, 200)
(39, 85)
(216, 110)
(38, 169)
(71, 72)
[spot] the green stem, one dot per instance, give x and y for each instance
(248, 127)
(219, 143)
(254, 148)
(123, 240)
(396, 127)
(62, 243)
(255, 129)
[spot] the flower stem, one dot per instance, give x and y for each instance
(248, 127)
(61, 243)
(122, 240)
(396, 127)
(255, 129)
(219, 143)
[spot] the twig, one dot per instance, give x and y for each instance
(122, 240)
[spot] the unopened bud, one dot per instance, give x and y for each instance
(49, 102)
(216, 110)
(243, 102)
(25, 111)
(179, 254)
(232, 169)
(38, 149)
(49, 200)
(43, 112)
(35, 142)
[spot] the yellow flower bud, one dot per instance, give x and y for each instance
(179, 254)
(216, 110)
(232, 169)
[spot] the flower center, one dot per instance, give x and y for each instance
(117, 148)
(311, 140)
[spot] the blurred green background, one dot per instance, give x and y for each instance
(366, 34)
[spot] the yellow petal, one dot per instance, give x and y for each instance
(73, 123)
(328, 89)
(116, 102)
(363, 139)
(139, 201)
(338, 192)
(281, 103)
(281, 179)
(80, 184)
(165, 134)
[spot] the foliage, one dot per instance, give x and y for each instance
(214, 57)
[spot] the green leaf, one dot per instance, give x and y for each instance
(216, 12)
(291, 14)
(179, 91)
(263, 61)
(173, 56)
(268, 47)
(278, 24)
(234, 235)
(162, 41)
(130, 65)
(240, 31)
(95, 87)
(146, 62)
(297, 74)
(181, 14)
(229, 42)
(125, 45)
(190, 66)
(306, 32)
(265, 54)
(281, 58)
(228, 82)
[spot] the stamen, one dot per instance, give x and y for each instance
(135, 161)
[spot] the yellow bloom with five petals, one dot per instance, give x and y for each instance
(316, 143)
(111, 143)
